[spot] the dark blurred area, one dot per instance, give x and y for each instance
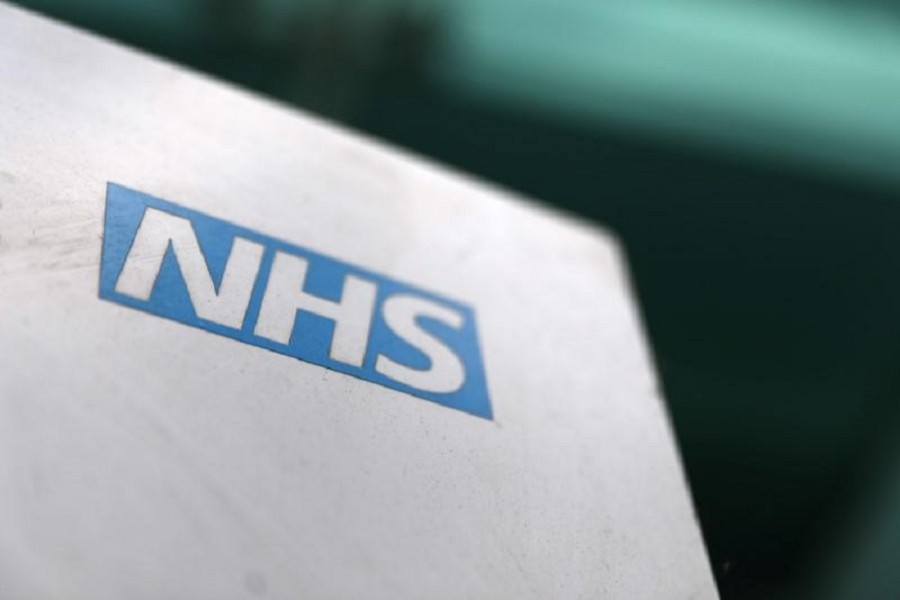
(744, 151)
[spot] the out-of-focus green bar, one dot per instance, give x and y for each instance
(815, 83)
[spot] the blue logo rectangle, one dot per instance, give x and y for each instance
(179, 264)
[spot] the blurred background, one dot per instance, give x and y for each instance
(745, 151)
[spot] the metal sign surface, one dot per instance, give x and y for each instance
(151, 446)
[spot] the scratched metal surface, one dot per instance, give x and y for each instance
(141, 458)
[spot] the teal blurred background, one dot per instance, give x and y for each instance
(745, 152)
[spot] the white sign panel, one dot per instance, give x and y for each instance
(244, 353)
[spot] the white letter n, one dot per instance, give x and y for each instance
(226, 305)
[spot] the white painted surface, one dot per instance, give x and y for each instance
(141, 458)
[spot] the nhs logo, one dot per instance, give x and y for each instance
(182, 265)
